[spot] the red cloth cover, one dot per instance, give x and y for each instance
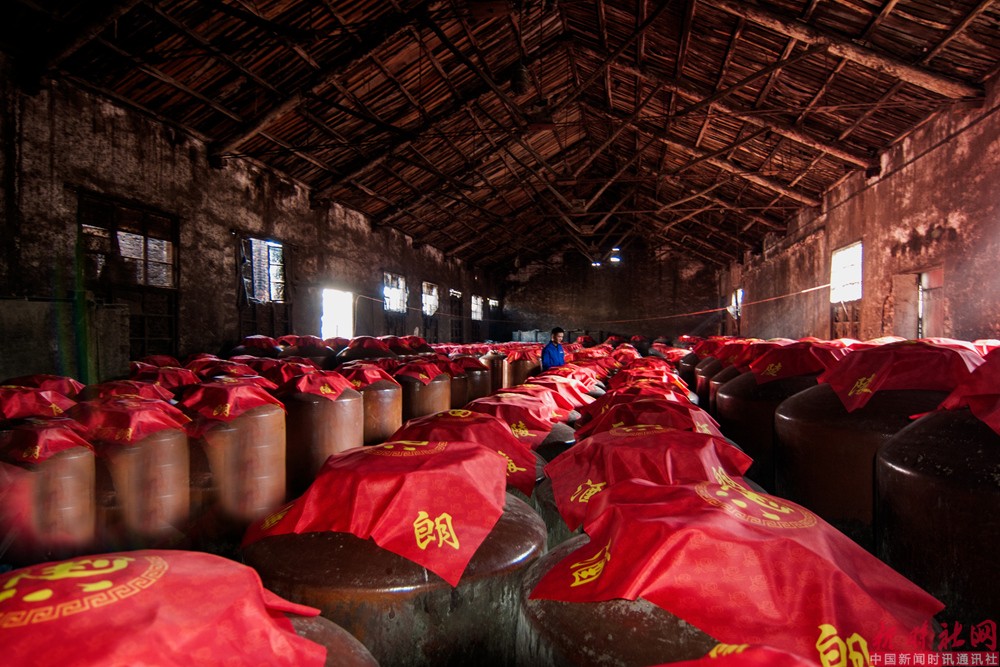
(432, 502)
(487, 430)
(207, 368)
(424, 371)
(169, 377)
(980, 392)
(905, 365)
(642, 388)
(223, 400)
(131, 388)
(164, 608)
(525, 354)
(361, 374)
(529, 419)
(799, 358)
(328, 384)
(552, 399)
(682, 416)
(18, 402)
(368, 343)
(38, 440)
(257, 342)
(466, 362)
(745, 567)
(650, 452)
(574, 391)
(66, 386)
(121, 420)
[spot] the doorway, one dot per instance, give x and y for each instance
(337, 320)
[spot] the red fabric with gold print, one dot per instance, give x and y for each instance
(980, 392)
(131, 388)
(574, 391)
(66, 386)
(530, 419)
(259, 342)
(433, 502)
(650, 452)
(170, 377)
(328, 384)
(37, 440)
(279, 371)
(681, 416)
(224, 400)
(125, 420)
(642, 388)
(163, 608)
(524, 354)
(422, 370)
(905, 365)
(361, 374)
(18, 402)
(799, 358)
(745, 567)
(487, 430)
(629, 376)
(552, 399)
(585, 375)
(207, 368)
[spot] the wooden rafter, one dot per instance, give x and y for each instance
(845, 48)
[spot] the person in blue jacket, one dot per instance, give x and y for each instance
(552, 353)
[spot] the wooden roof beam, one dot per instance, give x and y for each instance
(956, 31)
(371, 39)
(845, 48)
(797, 135)
(86, 32)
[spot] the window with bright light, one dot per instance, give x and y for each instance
(845, 274)
(394, 293)
(455, 294)
(477, 307)
(430, 298)
(736, 303)
(263, 270)
(338, 314)
(493, 303)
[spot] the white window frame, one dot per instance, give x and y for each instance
(477, 308)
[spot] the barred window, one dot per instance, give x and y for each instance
(477, 307)
(263, 270)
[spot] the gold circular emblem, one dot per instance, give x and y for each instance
(748, 505)
(407, 448)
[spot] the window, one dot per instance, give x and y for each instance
(736, 303)
(394, 293)
(454, 294)
(263, 271)
(129, 256)
(338, 314)
(845, 274)
(430, 298)
(477, 307)
(494, 303)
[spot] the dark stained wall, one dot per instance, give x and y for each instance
(935, 205)
(644, 294)
(62, 141)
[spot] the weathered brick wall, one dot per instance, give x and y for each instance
(934, 205)
(641, 295)
(65, 140)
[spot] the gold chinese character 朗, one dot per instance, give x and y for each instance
(590, 569)
(427, 530)
(587, 490)
(863, 385)
(837, 652)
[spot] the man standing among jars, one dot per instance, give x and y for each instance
(552, 353)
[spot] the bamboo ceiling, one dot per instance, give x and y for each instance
(509, 130)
